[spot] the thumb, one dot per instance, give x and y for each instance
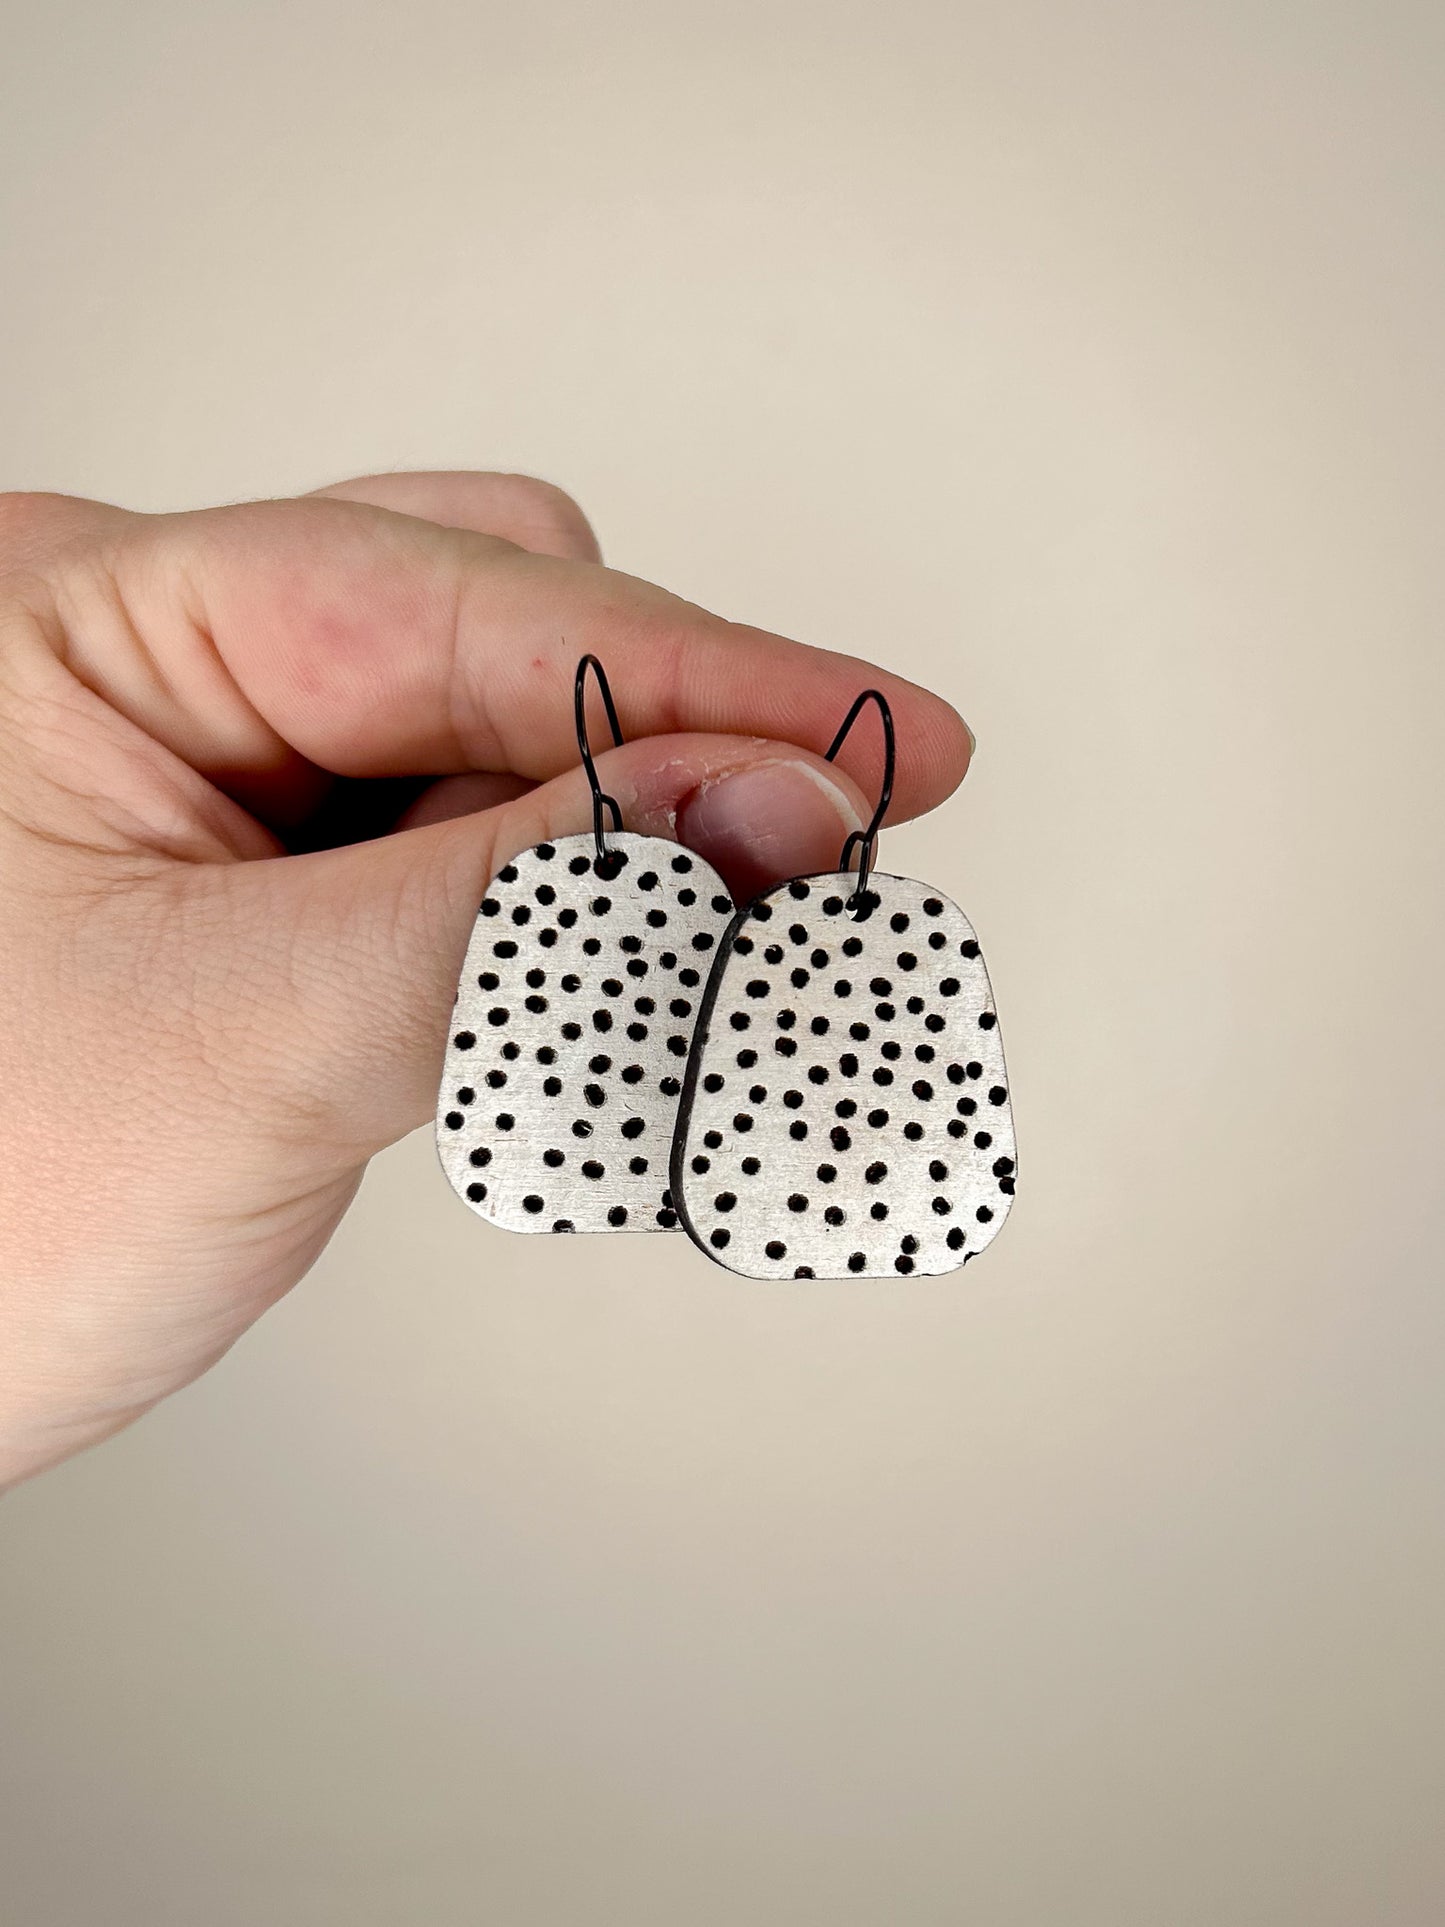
(367, 942)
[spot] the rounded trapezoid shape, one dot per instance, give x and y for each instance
(846, 1110)
(570, 1034)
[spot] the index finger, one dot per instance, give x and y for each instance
(378, 644)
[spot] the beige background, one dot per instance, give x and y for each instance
(1083, 360)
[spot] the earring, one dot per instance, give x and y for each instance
(845, 1110)
(572, 1022)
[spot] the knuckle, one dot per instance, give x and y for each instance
(542, 509)
(22, 509)
(34, 524)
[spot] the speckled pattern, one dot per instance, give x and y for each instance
(571, 1031)
(846, 1110)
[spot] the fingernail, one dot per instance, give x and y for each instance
(758, 825)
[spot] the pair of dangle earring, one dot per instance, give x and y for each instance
(811, 1087)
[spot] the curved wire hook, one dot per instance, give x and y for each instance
(866, 841)
(600, 799)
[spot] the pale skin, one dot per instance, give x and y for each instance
(210, 1024)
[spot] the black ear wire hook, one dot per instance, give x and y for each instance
(600, 799)
(866, 841)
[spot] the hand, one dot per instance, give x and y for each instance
(219, 1003)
